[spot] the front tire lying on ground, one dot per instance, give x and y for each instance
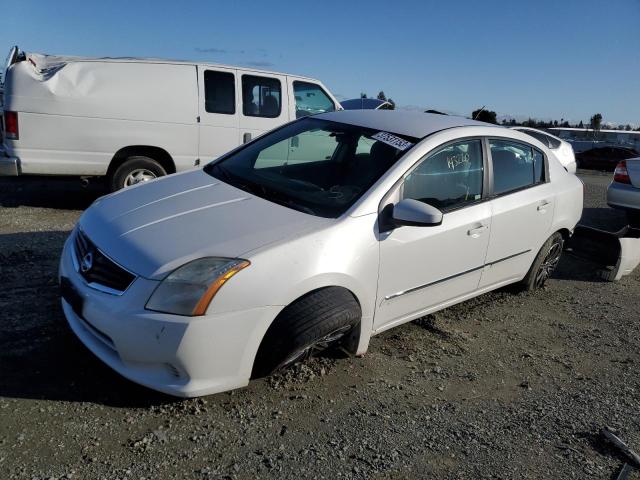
(545, 263)
(314, 322)
(134, 170)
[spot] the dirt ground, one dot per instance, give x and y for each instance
(505, 386)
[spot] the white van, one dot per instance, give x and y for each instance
(136, 119)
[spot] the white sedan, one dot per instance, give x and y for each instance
(325, 231)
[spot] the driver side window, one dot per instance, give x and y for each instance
(449, 178)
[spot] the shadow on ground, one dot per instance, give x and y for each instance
(49, 192)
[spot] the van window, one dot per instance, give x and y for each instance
(515, 166)
(311, 99)
(219, 92)
(261, 96)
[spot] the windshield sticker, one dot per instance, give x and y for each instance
(392, 140)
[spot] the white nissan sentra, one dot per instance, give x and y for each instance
(325, 231)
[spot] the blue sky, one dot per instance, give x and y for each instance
(547, 59)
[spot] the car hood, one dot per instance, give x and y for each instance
(153, 228)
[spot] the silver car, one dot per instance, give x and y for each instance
(326, 231)
(624, 190)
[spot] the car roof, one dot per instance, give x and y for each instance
(362, 103)
(411, 124)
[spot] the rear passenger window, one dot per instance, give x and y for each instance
(449, 178)
(515, 166)
(311, 99)
(261, 96)
(219, 92)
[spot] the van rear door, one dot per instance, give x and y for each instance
(218, 111)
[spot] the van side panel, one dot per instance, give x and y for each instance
(74, 118)
(67, 145)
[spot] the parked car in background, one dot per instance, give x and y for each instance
(624, 190)
(136, 119)
(561, 149)
(366, 104)
(194, 283)
(605, 158)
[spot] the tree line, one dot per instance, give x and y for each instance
(595, 122)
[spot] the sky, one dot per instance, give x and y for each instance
(545, 59)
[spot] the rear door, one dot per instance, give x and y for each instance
(218, 111)
(264, 104)
(522, 205)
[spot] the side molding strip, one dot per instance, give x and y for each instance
(430, 284)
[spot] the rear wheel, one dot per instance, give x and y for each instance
(315, 322)
(135, 170)
(545, 263)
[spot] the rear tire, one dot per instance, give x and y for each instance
(544, 264)
(312, 323)
(134, 170)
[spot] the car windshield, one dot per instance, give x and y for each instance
(314, 166)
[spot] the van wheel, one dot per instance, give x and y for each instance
(545, 263)
(135, 170)
(314, 322)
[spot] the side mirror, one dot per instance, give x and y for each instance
(295, 142)
(413, 213)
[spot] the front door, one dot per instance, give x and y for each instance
(423, 267)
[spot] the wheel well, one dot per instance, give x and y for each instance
(566, 234)
(158, 154)
(351, 342)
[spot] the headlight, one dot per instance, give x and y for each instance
(188, 290)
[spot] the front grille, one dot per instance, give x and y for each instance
(98, 269)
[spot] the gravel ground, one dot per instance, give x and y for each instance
(504, 386)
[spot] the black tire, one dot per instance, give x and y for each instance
(312, 323)
(545, 263)
(120, 177)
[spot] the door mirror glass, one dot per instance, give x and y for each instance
(414, 213)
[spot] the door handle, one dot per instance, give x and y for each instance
(543, 206)
(476, 232)
(246, 137)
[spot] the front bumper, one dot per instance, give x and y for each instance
(622, 195)
(178, 355)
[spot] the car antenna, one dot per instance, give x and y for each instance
(478, 113)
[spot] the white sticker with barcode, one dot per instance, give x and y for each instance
(391, 139)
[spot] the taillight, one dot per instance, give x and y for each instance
(621, 175)
(11, 125)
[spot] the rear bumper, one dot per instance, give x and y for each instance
(9, 166)
(622, 195)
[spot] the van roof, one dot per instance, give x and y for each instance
(43, 61)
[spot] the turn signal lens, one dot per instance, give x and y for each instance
(621, 175)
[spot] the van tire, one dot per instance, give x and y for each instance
(316, 321)
(144, 167)
(544, 264)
